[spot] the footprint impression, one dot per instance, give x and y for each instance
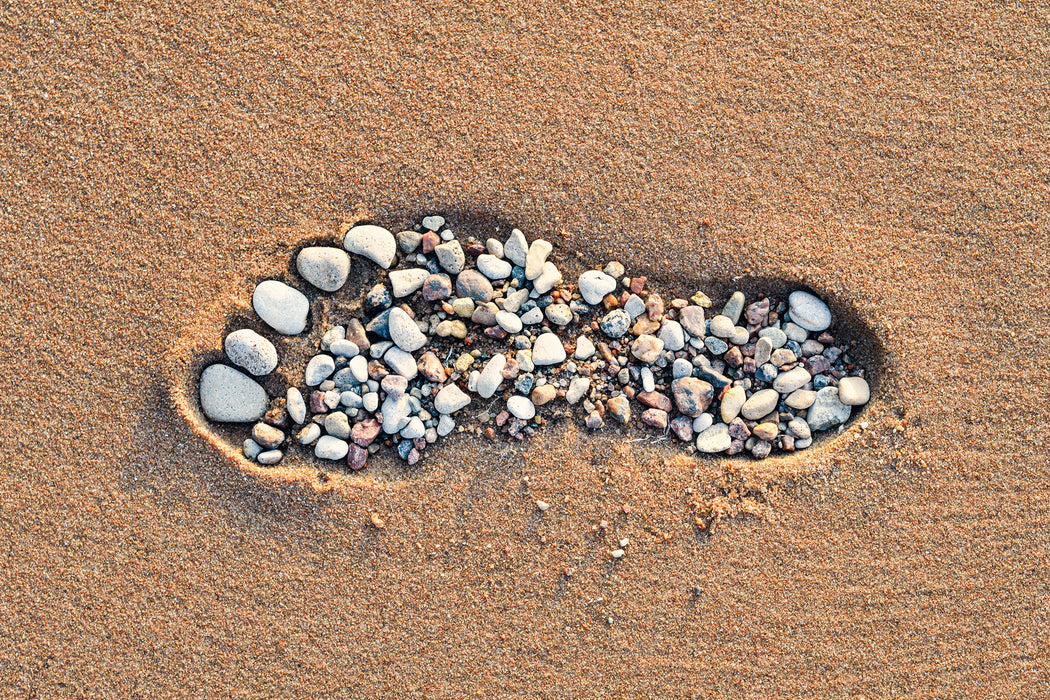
(488, 338)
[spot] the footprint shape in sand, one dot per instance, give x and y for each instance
(490, 339)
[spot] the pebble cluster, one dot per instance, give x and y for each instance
(755, 378)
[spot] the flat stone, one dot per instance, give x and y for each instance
(827, 410)
(789, 381)
(722, 326)
(296, 405)
(536, 257)
(520, 407)
(324, 267)
(703, 422)
(395, 412)
(283, 308)
(548, 350)
(532, 316)
(493, 267)
(692, 320)
(516, 249)
(372, 242)
(760, 404)
(766, 431)
(415, 429)
(357, 458)
(620, 408)
(404, 331)
(634, 306)
(433, 222)
(445, 425)
(438, 286)
(344, 348)
(714, 439)
(799, 428)
(801, 399)
(732, 401)
(401, 361)
(508, 321)
(777, 337)
(476, 286)
(450, 399)
(578, 388)
(337, 425)
(584, 348)
(692, 396)
(646, 348)
(673, 335)
(405, 282)
(808, 311)
(594, 285)
(655, 418)
(734, 307)
(795, 332)
(251, 351)
(616, 323)
(763, 351)
(309, 434)
(318, 369)
(854, 391)
(494, 247)
(549, 278)
(451, 257)
(270, 457)
(681, 367)
(491, 376)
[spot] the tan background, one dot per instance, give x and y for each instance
(157, 160)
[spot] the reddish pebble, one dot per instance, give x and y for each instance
(655, 399)
(357, 457)
(365, 432)
(430, 241)
(638, 284)
(655, 417)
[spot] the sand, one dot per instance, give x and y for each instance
(157, 161)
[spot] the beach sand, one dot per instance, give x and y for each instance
(159, 161)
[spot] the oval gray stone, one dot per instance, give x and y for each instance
(251, 351)
(493, 268)
(318, 369)
(808, 311)
(283, 308)
(324, 267)
(508, 321)
(473, 284)
(229, 396)
(722, 326)
(854, 391)
(521, 407)
(692, 319)
(786, 382)
(404, 331)
(372, 242)
(295, 404)
(329, 447)
(827, 411)
(761, 403)
(714, 439)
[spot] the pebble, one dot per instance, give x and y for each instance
(296, 405)
(494, 247)
(594, 285)
(548, 350)
(404, 331)
(716, 346)
(544, 394)
(415, 429)
(405, 282)
(584, 348)
(854, 391)
(516, 248)
(787, 382)
(493, 268)
(229, 396)
(765, 431)
(760, 404)
(655, 418)
(692, 396)
(827, 410)
(777, 338)
(395, 412)
(732, 401)
(646, 348)
(251, 351)
(722, 326)
(491, 376)
(438, 286)
(714, 439)
(283, 308)
(267, 436)
(734, 307)
(578, 388)
(549, 278)
(692, 320)
(251, 449)
(648, 379)
(401, 361)
(799, 428)
(801, 399)
(808, 311)
(270, 457)
(318, 369)
(433, 222)
(703, 422)
(372, 242)
(337, 425)
(445, 425)
(409, 240)
(673, 336)
(451, 257)
(474, 285)
(324, 267)
(615, 323)
(536, 258)
(450, 399)
(763, 351)
(681, 367)
(344, 348)
(309, 433)
(559, 314)
(594, 420)
(520, 407)
(795, 332)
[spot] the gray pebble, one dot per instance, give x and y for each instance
(536, 257)
(433, 222)
(692, 319)
(584, 348)
(494, 247)
(450, 399)
(344, 348)
(491, 376)
(559, 314)
(445, 425)
(795, 332)
(827, 411)
(777, 337)
(549, 278)
(329, 447)
(516, 248)
(405, 282)
(323, 267)
(337, 425)
(760, 404)
(616, 323)
(809, 312)
(296, 405)
(251, 449)
(787, 382)
(763, 349)
(230, 396)
(473, 284)
(714, 439)
(318, 369)
(508, 321)
(401, 362)
(283, 308)
(493, 267)
(673, 335)
(734, 307)
(270, 457)
(414, 429)
(251, 351)
(681, 368)
(634, 307)
(404, 331)
(370, 401)
(309, 434)
(451, 257)
(722, 326)
(372, 242)
(532, 316)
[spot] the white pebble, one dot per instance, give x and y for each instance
(283, 308)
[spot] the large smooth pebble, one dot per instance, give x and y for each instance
(493, 268)
(249, 350)
(732, 401)
(373, 242)
(283, 308)
(760, 404)
(450, 399)
(594, 285)
(854, 391)
(324, 267)
(401, 362)
(548, 350)
(509, 322)
(491, 376)
(229, 396)
(714, 439)
(405, 282)
(808, 311)
(521, 407)
(787, 382)
(516, 248)
(329, 447)
(404, 331)
(296, 405)
(318, 369)
(827, 410)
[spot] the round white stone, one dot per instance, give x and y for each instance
(450, 399)
(584, 348)
(508, 321)
(548, 350)
(594, 285)
(493, 268)
(808, 311)
(405, 282)
(229, 396)
(324, 267)
(296, 405)
(401, 362)
(318, 369)
(516, 248)
(786, 382)
(283, 308)
(404, 331)
(714, 439)
(373, 242)
(414, 429)
(760, 404)
(329, 447)
(521, 407)
(249, 350)
(854, 391)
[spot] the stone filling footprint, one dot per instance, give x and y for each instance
(497, 326)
